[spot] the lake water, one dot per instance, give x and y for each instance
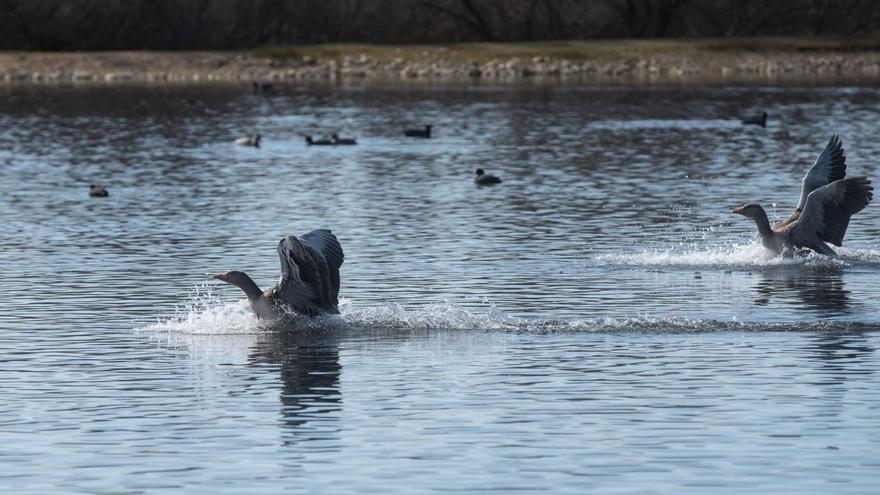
(599, 322)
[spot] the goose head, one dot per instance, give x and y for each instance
(749, 210)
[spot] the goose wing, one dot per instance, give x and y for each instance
(310, 264)
(828, 210)
(830, 166)
(323, 242)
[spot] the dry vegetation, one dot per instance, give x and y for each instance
(702, 60)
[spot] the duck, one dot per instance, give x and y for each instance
(418, 133)
(335, 139)
(309, 282)
(96, 191)
(828, 199)
(249, 141)
(262, 87)
(760, 120)
(318, 142)
(481, 178)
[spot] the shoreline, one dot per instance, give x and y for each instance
(774, 61)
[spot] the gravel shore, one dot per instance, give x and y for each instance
(637, 62)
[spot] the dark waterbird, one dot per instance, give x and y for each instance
(828, 200)
(481, 178)
(418, 133)
(760, 120)
(336, 140)
(262, 87)
(318, 142)
(249, 141)
(309, 283)
(96, 191)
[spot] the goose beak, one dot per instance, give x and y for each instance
(740, 209)
(220, 276)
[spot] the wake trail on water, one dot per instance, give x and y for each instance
(204, 313)
(736, 256)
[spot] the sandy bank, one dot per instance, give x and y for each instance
(765, 60)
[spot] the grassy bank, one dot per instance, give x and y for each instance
(758, 59)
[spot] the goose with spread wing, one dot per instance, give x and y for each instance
(309, 283)
(828, 199)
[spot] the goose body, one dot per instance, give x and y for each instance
(249, 141)
(828, 199)
(309, 282)
(481, 178)
(418, 133)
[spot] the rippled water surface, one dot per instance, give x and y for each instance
(598, 323)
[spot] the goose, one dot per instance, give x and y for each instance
(828, 200)
(335, 139)
(318, 142)
(96, 191)
(418, 132)
(309, 283)
(481, 178)
(760, 120)
(249, 141)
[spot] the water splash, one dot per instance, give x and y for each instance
(205, 315)
(743, 256)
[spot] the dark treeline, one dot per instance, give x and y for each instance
(218, 24)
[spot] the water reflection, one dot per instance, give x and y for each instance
(309, 372)
(845, 359)
(823, 292)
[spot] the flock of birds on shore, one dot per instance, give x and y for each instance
(310, 264)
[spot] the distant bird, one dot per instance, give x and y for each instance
(309, 283)
(828, 200)
(96, 191)
(249, 141)
(335, 139)
(262, 87)
(481, 178)
(418, 133)
(318, 142)
(760, 120)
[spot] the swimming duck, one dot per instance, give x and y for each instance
(760, 120)
(96, 191)
(249, 141)
(309, 283)
(481, 178)
(335, 139)
(418, 132)
(318, 142)
(828, 200)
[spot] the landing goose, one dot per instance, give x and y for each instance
(418, 133)
(481, 178)
(828, 199)
(309, 283)
(249, 141)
